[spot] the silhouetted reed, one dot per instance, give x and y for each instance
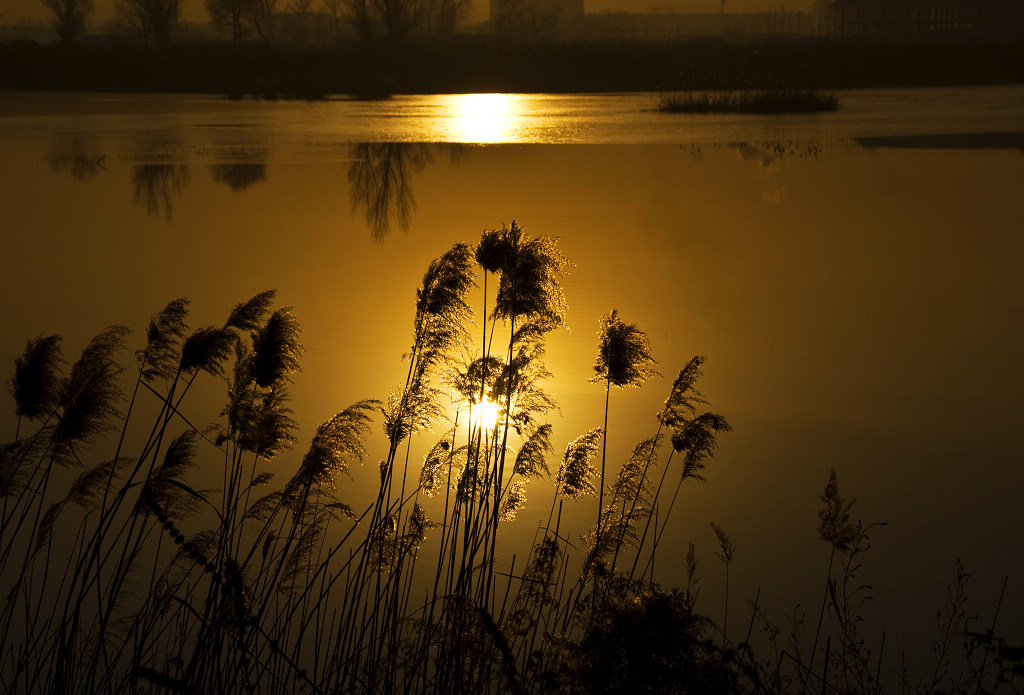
(185, 568)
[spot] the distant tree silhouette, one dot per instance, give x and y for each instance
(443, 16)
(260, 14)
(361, 16)
(69, 17)
(396, 19)
(334, 10)
(399, 17)
(230, 14)
(153, 21)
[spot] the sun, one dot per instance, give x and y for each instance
(483, 414)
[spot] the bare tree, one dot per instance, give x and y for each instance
(231, 14)
(399, 17)
(261, 16)
(361, 15)
(69, 17)
(443, 16)
(334, 10)
(154, 21)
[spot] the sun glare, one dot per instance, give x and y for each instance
(483, 414)
(481, 118)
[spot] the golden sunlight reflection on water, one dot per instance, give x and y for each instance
(483, 118)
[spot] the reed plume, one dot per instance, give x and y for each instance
(834, 525)
(623, 353)
(475, 376)
(248, 315)
(726, 549)
(530, 287)
(623, 359)
(90, 394)
(577, 471)
(165, 483)
(337, 444)
(440, 465)
(441, 307)
(693, 435)
(206, 349)
(259, 420)
(518, 390)
(36, 384)
(513, 500)
(697, 441)
(14, 475)
(531, 459)
(276, 348)
(88, 486)
(160, 358)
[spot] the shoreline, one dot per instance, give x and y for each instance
(470, 65)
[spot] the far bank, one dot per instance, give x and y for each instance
(466, 64)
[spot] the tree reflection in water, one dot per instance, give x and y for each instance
(72, 154)
(240, 175)
(157, 185)
(380, 180)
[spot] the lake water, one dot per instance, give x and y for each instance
(853, 278)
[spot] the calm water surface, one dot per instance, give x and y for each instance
(855, 287)
(521, 118)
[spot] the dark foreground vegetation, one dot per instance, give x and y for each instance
(144, 551)
(489, 64)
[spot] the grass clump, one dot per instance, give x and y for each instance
(764, 101)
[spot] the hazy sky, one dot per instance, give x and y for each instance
(14, 11)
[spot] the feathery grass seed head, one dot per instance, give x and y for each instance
(248, 315)
(35, 385)
(206, 349)
(834, 517)
(531, 269)
(90, 394)
(276, 348)
(726, 548)
(160, 359)
(514, 499)
(531, 459)
(577, 471)
(624, 353)
(336, 445)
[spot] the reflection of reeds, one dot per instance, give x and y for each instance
(127, 573)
